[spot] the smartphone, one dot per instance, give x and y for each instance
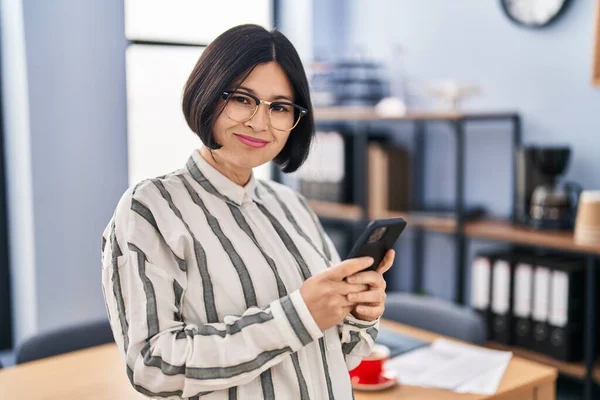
(378, 237)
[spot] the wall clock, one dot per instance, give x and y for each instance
(533, 13)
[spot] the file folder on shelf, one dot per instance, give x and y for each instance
(481, 286)
(523, 301)
(501, 306)
(567, 313)
(541, 304)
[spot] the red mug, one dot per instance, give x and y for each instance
(370, 368)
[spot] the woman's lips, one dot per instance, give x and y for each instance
(252, 142)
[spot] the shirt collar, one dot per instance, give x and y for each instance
(218, 184)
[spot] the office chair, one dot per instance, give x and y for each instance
(435, 315)
(64, 340)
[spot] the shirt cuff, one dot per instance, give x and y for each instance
(295, 321)
(359, 323)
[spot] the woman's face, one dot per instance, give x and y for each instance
(267, 82)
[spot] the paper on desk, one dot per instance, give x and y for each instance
(453, 366)
(486, 384)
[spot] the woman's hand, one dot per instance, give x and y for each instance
(372, 301)
(325, 293)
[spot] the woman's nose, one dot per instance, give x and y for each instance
(260, 120)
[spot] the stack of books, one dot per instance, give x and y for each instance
(321, 177)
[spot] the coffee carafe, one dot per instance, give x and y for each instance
(553, 204)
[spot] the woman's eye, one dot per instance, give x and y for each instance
(241, 99)
(280, 108)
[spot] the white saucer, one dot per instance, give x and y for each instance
(386, 380)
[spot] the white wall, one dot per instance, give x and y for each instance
(191, 21)
(159, 139)
(296, 22)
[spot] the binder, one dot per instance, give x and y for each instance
(523, 301)
(567, 312)
(481, 287)
(541, 305)
(502, 289)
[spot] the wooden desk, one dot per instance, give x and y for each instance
(523, 379)
(98, 374)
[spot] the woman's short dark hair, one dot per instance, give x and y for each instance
(232, 56)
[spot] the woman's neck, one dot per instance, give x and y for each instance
(236, 175)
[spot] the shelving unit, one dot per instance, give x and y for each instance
(369, 114)
(353, 213)
(342, 212)
(359, 119)
(497, 230)
(355, 216)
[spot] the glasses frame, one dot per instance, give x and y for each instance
(301, 110)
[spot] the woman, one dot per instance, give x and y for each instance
(221, 285)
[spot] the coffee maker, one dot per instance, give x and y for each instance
(544, 202)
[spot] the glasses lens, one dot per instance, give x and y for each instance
(240, 107)
(283, 116)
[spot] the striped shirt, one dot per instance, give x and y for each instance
(201, 279)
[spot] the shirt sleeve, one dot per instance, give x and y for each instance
(357, 337)
(143, 285)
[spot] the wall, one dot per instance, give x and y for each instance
(76, 126)
(544, 74)
(17, 145)
(295, 20)
(76, 74)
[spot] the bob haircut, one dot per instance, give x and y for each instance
(230, 58)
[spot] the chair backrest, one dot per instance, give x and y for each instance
(64, 340)
(436, 315)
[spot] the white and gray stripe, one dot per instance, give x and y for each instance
(200, 255)
(248, 289)
(201, 279)
(292, 220)
(319, 227)
(145, 213)
(236, 260)
(117, 290)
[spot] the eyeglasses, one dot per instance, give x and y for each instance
(242, 106)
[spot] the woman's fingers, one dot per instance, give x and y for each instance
(345, 288)
(371, 278)
(348, 267)
(387, 261)
(369, 313)
(371, 296)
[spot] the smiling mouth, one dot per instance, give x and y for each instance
(251, 139)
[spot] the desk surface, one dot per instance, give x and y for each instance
(98, 374)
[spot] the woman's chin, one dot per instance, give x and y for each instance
(251, 160)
